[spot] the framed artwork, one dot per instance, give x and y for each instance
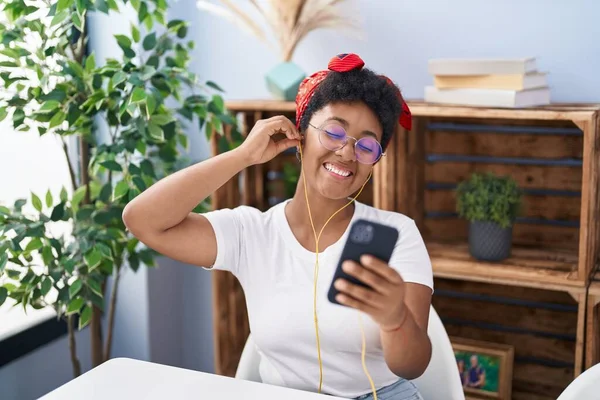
(485, 368)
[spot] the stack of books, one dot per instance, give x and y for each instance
(507, 83)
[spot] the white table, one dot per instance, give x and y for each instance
(124, 378)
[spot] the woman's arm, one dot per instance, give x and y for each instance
(161, 217)
(407, 350)
(401, 310)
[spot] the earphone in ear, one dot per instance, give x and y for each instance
(316, 276)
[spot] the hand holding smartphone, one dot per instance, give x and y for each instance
(366, 237)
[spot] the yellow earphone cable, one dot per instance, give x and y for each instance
(316, 277)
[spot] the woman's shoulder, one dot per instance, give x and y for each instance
(246, 214)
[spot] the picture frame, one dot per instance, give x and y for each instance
(486, 368)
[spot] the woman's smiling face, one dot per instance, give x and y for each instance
(338, 174)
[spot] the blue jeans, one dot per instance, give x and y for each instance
(400, 390)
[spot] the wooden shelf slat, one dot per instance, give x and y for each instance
(560, 112)
(527, 267)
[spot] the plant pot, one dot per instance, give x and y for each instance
(284, 80)
(488, 241)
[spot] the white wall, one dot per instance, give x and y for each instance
(401, 35)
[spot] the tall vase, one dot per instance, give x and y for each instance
(283, 80)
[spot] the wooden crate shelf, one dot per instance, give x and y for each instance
(592, 346)
(552, 151)
(526, 267)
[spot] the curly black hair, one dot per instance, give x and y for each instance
(358, 85)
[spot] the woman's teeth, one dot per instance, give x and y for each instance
(341, 172)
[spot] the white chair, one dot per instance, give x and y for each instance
(585, 386)
(440, 381)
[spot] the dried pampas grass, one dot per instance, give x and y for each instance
(289, 20)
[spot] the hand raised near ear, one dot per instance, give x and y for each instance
(260, 146)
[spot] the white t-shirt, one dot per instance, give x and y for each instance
(276, 273)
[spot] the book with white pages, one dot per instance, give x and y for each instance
(504, 81)
(488, 97)
(481, 66)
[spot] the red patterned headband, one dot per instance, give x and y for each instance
(341, 63)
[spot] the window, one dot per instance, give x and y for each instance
(29, 163)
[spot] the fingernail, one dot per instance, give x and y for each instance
(366, 259)
(347, 265)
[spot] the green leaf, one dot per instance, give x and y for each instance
(149, 41)
(49, 106)
(183, 140)
(123, 40)
(85, 317)
(102, 6)
(75, 287)
(37, 203)
(138, 95)
(156, 132)
(135, 33)
(148, 168)
(47, 255)
(59, 17)
(118, 77)
(93, 259)
(106, 192)
(3, 261)
(214, 86)
(218, 103)
(3, 295)
(147, 257)
(112, 165)
(34, 244)
(104, 249)
(18, 117)
(69, 266)
(58, 119)
(58, 212)
(121, 190)
(139, 183)
(46, 285)
(64, 196)
(135, 4)
(90, 63)
(75, 305)
(147, 72)
(150, 105)
(142, 12)
(141, 147)
(77, 197)
(4, 210)
(182, 32)
(162, 119)
(134, 261)
(3, 113)
(112, 4)
(49, 199)
(95, 286)
(77, 21)
(63, 4)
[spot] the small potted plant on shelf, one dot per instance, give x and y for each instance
(491, 204)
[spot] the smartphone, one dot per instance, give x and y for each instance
(365, 237)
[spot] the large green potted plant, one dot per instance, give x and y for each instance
(52, 84)
(491, 204)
